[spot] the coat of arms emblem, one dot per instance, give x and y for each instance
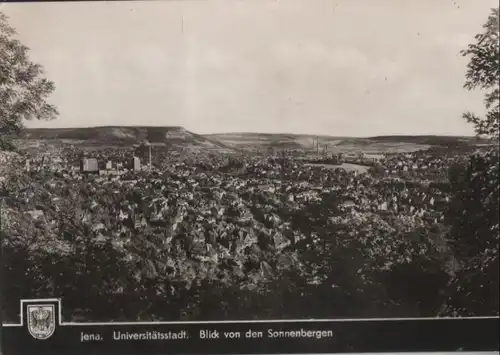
(41, 321)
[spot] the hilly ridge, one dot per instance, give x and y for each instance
(343, 144)
(173, 136)
(179, 137)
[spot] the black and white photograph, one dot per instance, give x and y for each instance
(218, 161)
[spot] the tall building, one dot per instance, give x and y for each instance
(89, 165)
(135, 164)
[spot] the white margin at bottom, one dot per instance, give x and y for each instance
(62, 324)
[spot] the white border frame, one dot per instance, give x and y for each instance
(62, 324)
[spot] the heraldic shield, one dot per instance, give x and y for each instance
(41, 320)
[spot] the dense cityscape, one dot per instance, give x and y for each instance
(203, 235)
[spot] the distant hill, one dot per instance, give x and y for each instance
(125, 136)
(264, 140)
(178, 137)
(430, 140)
(342, 144)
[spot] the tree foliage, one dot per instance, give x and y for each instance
(483, 72)
(474, 212)
(23, 87)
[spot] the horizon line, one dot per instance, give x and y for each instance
(263, 133)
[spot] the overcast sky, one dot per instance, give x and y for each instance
(344, 67)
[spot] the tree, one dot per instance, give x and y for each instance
(474, 212)
(23, 87)
(483, 72)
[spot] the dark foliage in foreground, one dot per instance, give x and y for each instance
(216, 243)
